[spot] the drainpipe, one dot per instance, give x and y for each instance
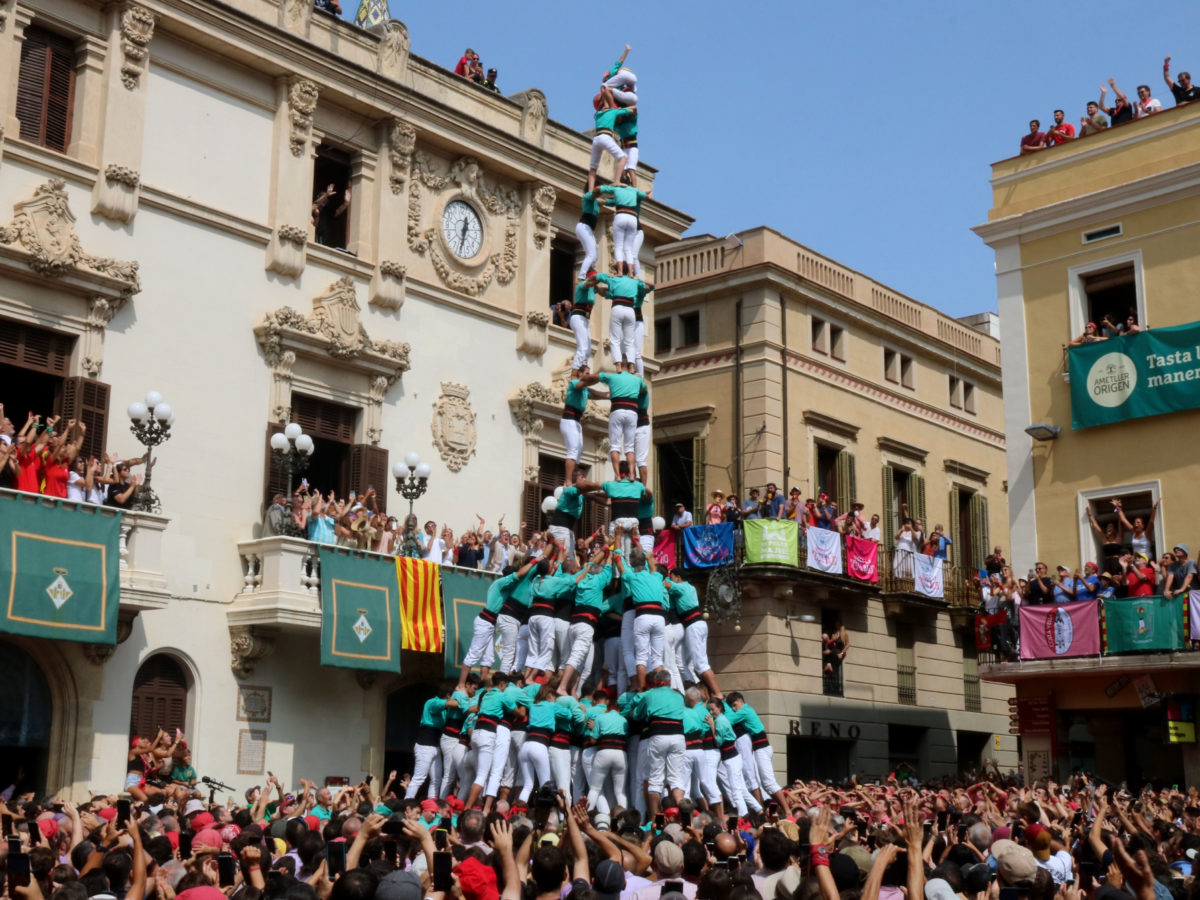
(783, 379)
(737, 398)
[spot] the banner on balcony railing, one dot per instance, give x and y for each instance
(771, 541)
(824, 550)
(1143, 623)
(983, 629)
(705, 546)
(1061, 629)
(927, 575)
(665, 552)
(59, 569)
(464, 592)
(1194, 615)
(1145, 374)
(420, 605)
(862, 558)
(360, 611)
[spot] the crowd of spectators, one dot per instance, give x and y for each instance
(45, 458)
(771, 503)
(1099, 115)
(1085, 839)
(471, 68)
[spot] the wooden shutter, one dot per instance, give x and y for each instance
(325, 419)
(955, 529)
(979, 532)
(698, 486)
(159, 697)
(46, 88)
(39, 349)
(916, 498)
(531, 507)
(274, 477)
(86, 401)
(369, 467)
(847, 482)
(888, 516)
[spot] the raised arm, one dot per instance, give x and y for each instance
(1167, 72)
(625, 53)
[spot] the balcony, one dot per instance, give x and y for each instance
(281, 585)
(972, 698)
(906, 684)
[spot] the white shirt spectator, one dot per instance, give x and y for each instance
(435, 550)
(75, 489)
(1141, 110)
(1059, 865)
(682, 519)
(873, 534)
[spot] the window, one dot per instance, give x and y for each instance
(969, 397)
(827, 470)
(906, 665)
(891, 366)
(832, 684)
(972, 700)
(962, 395)
(1111, 295)
(552, 473)
(662, 335)
(1138, 507)
(820, 336)
(956, 393)
(562, 270)
(160, 692)
(46, 88)
(837, 343)
(676, 476)
(968, 528)
(907, 372)
(689, 329)
(331, 197)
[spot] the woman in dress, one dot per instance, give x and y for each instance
(906, 549)
(714, 514)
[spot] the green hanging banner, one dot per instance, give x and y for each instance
(360, 611)
(771, 541)
(1146, 374)
(1143, 623)
(59, 568)
(464, 592)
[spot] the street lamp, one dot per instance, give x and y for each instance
(1040, 431)
(151, 424)
(412, 478)
(291, 450)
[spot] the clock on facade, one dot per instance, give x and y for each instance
(462, 229)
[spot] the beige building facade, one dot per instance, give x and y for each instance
(158, 170)
(782, 366)
(1106, 226)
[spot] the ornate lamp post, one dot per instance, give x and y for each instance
(150, 423)
(412, 478)
(291, 450)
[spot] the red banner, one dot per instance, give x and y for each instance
(983, 629)
(862, 559)
(664, 548)
(1060, 630)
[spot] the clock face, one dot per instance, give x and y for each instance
(462, 229)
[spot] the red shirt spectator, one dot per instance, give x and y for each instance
(1035, 140)
(1061, 132)
(466, 64)
(30, 477)
(56, 479)
(1137, 587)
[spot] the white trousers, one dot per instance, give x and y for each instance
(628, 651)
(564, 535)
(522, 647)
(581, 326)
(641, 446)
(560, 768)
(427, 767)
(587, 240)
(636, 772)
(665, 755)
(649, 635)
(604, 143)
(625, 228)
(516, 740)
(695, 648)
(639, 341)
(733, 785)
(765, 765)
(466, 770)
(562, 642)
(534, 761)
(749, 767)
(673, 654)
(483, 644)
(615, 665)
(709, 759)
(483, 745)
(452, 754)
(608, 770)
(508, 630)
(581, 766)
(624, 86)
(499, 761)
(580, 637)
(622, 424)
(637, 250)
(622, 339)
(631, 157)
(541, 642)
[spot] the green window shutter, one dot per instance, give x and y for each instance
(955, 535)
(979, 531)
(916, 498)
(888, 516)
(698, 493)
(847, 488)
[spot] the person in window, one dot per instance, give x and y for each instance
(410, 539)
(732, 511)
(682, 518)
(329, 215)
(1181, 575)
(275, 516)
(834, 645)
(906, 549)
(1108, 586)
(943, 544)
(1122, 110)
(1090, 335)
(873, 532)
(1162, 570)
(490, 81)
(1094, 122)
(56, 466)
(1111, 539)
(1061, 131)
(1139, 539)
(996, 561)
(80, 479)
(1041, 586)
(321, 528)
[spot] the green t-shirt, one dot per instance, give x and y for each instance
(576, 398)
(590, 592)
(585, 297)
(570, 502)
(624, 490)
(646, 506)
(627, 127)
(646, 586)
(660, 703)
(606, 119)
(683, 597)
(622, 386)
(184, 774)
(591, 205)
(498, 592)
(623, 195)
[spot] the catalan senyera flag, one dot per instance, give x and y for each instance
(420, 605)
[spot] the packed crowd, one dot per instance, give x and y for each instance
(1100, 116)
(471, 68)
(1110, 326)
(854, 841)
(45, 458)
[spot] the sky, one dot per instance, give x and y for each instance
(865, 130)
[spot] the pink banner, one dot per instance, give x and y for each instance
(862, 558)
(1060, 630)
(1194, 615)
(664, 548)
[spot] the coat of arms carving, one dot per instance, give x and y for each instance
(454, 425)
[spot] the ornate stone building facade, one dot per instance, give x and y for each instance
(162, 238)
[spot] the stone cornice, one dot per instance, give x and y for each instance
(831, 424)
(966, 470)
(900, 448)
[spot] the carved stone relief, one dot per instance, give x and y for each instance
(302, 102)
(285, 254)
(543, 209)
(533, 116)
(115, 196)
(387, 285)
(401, 142)
(246, 647)
(466, 176)
(392, 60)
(137, 28)
(295, 15)
(454, 425)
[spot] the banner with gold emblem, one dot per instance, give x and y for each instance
(360, 610)
(59, 568)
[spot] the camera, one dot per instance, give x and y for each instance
(545, 797)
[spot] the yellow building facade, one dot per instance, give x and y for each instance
(1105, 227)
(779, 365)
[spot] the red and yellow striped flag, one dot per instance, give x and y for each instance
(420, 605)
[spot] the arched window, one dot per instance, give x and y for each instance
(25, 714)
(159, 697)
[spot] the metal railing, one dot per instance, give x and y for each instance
(832, 684)
(896, 577)
(972, 699)
(906, 684)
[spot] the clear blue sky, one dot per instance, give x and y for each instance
(864, 130)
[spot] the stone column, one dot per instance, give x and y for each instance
(12, 38)
(123, 107)
(537, 203)
(291, 175)
(397, 140)
(362, 231)
(762, 395)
